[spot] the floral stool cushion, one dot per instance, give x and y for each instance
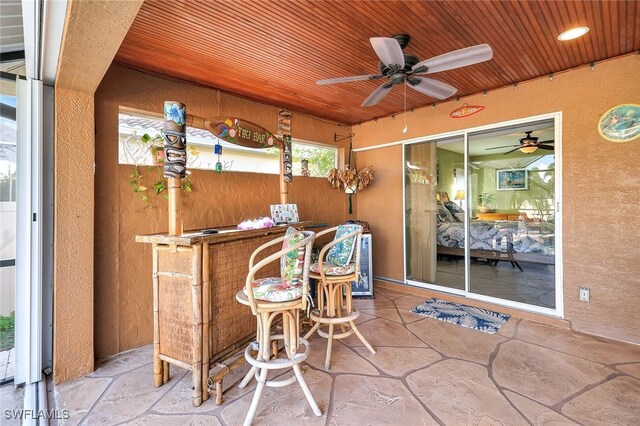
(273, 289)
(331, 269)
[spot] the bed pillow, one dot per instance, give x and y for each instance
(453, 207)
(456, 211)
(444, 215)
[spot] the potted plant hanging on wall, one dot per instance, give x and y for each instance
(156, 147)
(349, 179)
(155, 177)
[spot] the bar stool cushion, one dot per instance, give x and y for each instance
(331, 269)
(291, 263)
(274, 289)
(341, 253)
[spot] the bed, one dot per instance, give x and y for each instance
(496, 239)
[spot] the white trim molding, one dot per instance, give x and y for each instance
(29, 214)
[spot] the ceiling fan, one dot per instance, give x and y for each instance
(528, 144)
(399, 67)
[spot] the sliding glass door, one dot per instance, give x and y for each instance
(482, 214)
(512, 226)
(434, 194)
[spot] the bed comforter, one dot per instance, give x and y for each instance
(504, 236)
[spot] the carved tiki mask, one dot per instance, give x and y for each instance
(175, 139)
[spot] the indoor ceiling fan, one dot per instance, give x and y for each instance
(528, 144)
(399, 67)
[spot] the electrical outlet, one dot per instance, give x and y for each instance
(584, 294)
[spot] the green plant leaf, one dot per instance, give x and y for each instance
(145, 198)
(145, 138)
(165, 196)
(159, 186)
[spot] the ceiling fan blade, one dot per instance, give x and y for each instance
(434, 88)
(377, 95)
(456, 59)
(547, 147)
(551, 141)
(501, 147)
(388, 50)
(348, 79)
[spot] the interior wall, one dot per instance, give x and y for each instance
(601, 183)
(447, 162)
(123, 304)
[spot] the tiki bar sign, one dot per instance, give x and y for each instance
(241, 132)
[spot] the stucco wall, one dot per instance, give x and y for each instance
(123, 305)
(601, 186)
(73, 234)
(92, 34)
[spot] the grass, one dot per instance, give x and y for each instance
(7, 332)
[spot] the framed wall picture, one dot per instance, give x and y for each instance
(513, 180)
(621, 123)
(284, 213)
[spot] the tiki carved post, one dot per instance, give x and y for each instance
(175, 163)
(286, 155)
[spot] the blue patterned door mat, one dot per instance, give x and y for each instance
(464, 315)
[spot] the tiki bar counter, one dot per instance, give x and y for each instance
(196, 274)
(197, 321)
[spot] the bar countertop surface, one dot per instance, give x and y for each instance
(225, 233)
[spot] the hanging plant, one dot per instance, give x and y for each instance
(365, 177)
(159, 185)
(350, 180)
(155, 146)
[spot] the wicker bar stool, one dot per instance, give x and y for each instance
(334, 272)
(270, 297)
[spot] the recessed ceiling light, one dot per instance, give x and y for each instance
(573, 33)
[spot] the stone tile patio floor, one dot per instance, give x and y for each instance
(425, 372)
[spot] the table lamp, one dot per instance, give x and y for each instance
(459, 196)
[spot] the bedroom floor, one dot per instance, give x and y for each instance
(534, 285)
(425, 372)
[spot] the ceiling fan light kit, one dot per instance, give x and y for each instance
(404, 68)
(528, 145)
(528, 149)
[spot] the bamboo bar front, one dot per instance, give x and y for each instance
(197, 321)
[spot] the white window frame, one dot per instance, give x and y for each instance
(559, 267)
(318, 145)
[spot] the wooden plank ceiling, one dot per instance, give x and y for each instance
(274, 51)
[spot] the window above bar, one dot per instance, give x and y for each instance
(200, 150)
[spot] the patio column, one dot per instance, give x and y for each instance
(94, 30)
